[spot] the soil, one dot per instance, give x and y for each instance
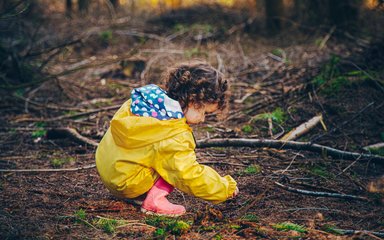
(47, 205)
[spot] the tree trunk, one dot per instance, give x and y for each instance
(344, 13)
(312, 13)
(68, 7)
(83, 5)
(274, 11)
(115, 3)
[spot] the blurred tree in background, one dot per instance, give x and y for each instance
(20, 21)
(274, 11)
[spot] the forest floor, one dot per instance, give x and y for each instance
(289, 78)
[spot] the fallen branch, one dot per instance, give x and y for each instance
(350, 232)
(257, 199)
(70, 133)
(326, 38)
(303, 128)
(320, 194)
(69, 115)
(73, 134)
(270, 127)
(243, 142)
(49, 169)
(375, 148)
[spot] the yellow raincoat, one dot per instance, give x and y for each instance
(136, 150)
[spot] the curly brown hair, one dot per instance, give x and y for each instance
(198, 83)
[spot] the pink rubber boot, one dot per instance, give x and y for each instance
(156, 204)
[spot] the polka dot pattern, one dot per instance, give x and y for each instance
(152, 101)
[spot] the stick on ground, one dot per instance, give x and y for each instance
(302, 129)
(320, 194)
(306, 146)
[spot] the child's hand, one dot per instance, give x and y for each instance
(236, 192)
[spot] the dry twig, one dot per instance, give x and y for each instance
(49, 169)
(69, 115)
(303, 128)
(73, 134)
(370, 233)
(257, 199)
(320, 194)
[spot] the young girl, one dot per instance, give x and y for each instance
(149, 147)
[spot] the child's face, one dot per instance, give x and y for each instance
(196, 115)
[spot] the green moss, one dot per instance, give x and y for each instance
(250, 218)
(39, 133)
(159, 233)
(107, 225)
(59, 162)
(331, 229)
(106, 36)
(377, 151)
(170, 225)
(208, 228)
(321, 172)
(318, 41)
(209, 129)
(280, 53)
(287, 226)
(335, 85)
(278, 116)
(235, 226)
(218, 237)
(247, 129)
(332, 79)
(80, 215)
(252, 169)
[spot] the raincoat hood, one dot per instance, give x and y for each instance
(152, 101)
(131, 131)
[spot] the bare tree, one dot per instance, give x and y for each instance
(344, 13)
(115, 3)
(83, 5)
(274, 11)
(68, 7)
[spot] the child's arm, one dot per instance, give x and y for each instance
(178, 166)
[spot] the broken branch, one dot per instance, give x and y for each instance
(69, 116)
(303, 128)
(320, 194)
(49, 169)
(278, 144)
(350, 232)
(375, 148)
(71, 133)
